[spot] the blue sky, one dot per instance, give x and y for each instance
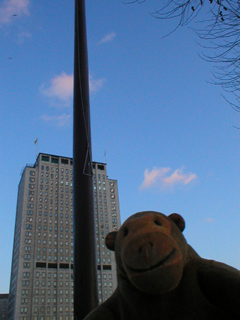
(168, 133)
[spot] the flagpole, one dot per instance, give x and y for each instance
(85, 268)
(36, 143)
(105, 156)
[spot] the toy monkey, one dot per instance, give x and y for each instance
(161, 277)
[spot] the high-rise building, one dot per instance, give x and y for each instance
(41, 285)
(3, 306)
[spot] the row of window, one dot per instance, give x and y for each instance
(104, 275)
(101, 213)
(55, 283)
(99, 176)
(106, 292)
(42, 309)
(50, 235)
(56, 176)
(61, 243)
(104, 260)
(31, 186)
(44, 249)
(45, 200)
(46, 213)
(51, 182)
(45, 220)
(30, 205)
(25, 292)
(61, 292)
(100, 188)
(102, 252)
(54, 300)
(54, 309)
(102, 226)
(51, 187)
(55, 275)
(56, 208)
(101, 219)
(53, 258)
(55, 160)
(49, 318)
(44, 227)
(105, 284)
(99, 182)
(26, 265)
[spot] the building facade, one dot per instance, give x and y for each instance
(41, 284)
(3, 306)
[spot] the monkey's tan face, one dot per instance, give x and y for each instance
(149, 254)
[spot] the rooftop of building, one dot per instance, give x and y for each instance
(62, 157)
(55, 157)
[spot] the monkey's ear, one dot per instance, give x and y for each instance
(110, 240)
(178, 220)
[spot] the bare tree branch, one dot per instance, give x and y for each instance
(219, 28)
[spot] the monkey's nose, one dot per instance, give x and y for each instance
(145, 251)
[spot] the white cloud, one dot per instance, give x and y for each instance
(95, 85)
(107, 38)
(164, 178)
(60, 93)
(179, 177)
(151, 177)
(13, 7)
(61, 87)
(60, 121)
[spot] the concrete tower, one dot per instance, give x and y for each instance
(41, 285)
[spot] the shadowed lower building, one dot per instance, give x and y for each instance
(3, 306)
(41, 284)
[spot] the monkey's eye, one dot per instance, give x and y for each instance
(125, 232)
(157, 223)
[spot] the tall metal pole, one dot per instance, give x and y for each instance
(85, 271)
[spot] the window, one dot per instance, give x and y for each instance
(45, 158)
(64, 161)
(54, 160)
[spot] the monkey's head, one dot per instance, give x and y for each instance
(150, 251)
